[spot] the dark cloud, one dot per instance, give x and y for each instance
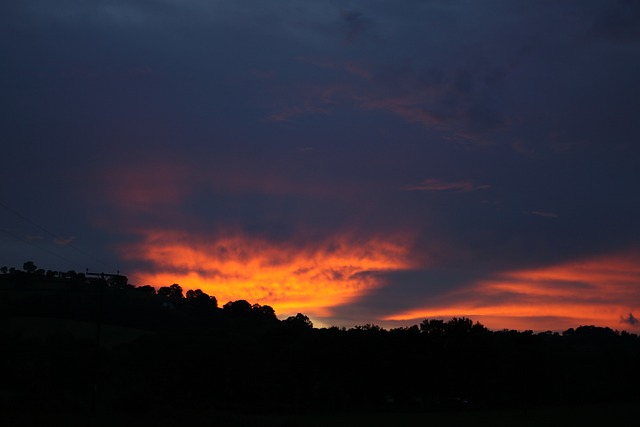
(618, 23)
(630, 319)
(129, 122)
(355, 25)
(432, 287)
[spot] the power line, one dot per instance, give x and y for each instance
(19, 239)
(53, 236)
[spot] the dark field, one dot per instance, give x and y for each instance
(612, 414)
(76, 352)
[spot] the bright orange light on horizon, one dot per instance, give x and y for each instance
(599, 291)
(290, 279)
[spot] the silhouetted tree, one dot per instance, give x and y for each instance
(197, 295)
(459, 325)
(299, 321)
(368, 328)
(118, 282)
(264, 312)
(432, 327)
(201, 302)
(147, 289)
(29, 267)
(237, 308)
(173, 292)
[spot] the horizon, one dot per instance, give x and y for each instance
(552, 323)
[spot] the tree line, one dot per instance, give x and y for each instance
(164, 349)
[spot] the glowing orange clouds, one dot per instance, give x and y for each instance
(601, 291)
(291, 279)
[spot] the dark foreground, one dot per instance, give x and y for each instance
(610, 414)
(76, 351)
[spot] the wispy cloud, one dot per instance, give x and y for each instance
(545, 214)
(458, 103)
(434, 184)
(585, 292)
(352, 67)
(64, 241)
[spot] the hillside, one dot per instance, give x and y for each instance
(82, 344)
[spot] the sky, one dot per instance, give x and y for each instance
(365, 161)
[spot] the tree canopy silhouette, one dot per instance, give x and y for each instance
(168, 349)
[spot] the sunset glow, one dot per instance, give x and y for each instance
(292, 280)
(601, 291)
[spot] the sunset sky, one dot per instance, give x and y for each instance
(360, 161)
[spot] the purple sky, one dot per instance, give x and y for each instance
(359, 161)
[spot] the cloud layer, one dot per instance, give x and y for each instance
(369, 162)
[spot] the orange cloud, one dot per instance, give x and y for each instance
(598, 291)
(308, 279)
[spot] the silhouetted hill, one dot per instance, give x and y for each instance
(76, 343)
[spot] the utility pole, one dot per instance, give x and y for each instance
(102, 283)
